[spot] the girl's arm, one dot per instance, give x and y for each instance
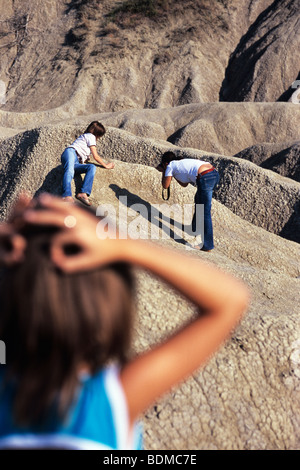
(166, 181)
(98, 159)
(184, 185)
(221, 299)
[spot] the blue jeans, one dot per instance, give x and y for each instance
(205, 187)
(72, 167)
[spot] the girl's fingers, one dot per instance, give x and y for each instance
(70, 247)
(45, 217)
(53, 202)
(24, 201)
(18, 248)
(69, 264)
(6, 230)
(56, 204)
(68, 254)
(12, 249)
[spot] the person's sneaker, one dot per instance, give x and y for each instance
(196, 241)
(68, 199)
(83, 198)
(200, 248)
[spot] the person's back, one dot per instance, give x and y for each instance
(184, 170)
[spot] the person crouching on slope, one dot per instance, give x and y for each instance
(74, 160)
(197, 172)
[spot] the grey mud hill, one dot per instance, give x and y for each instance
(209, 79)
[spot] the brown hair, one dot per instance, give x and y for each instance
(95, 128)
(168, 157)
(51, 322)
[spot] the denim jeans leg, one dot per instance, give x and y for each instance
(88, 181)
(205, 187)
(68, 159)
(206, 199)
(195, 221)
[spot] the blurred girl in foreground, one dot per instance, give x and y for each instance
(67, 308)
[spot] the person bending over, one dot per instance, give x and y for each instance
(201, 174)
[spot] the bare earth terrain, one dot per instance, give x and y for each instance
(207, 79)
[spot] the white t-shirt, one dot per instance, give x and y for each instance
(185, 170)
(82, 146)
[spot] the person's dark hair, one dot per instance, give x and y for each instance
(52, 322)
(168, 157)
(95, 128)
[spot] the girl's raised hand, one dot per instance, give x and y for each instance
(76, 246)
(12, 244)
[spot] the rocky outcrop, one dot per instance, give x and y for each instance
(282, 158)
(84, 55)
(229, 128)
(155, 82)
(264, 64)
(247, 396)
(261, 197)
(223, 128)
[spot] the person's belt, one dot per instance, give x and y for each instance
(204, 172)
(79, 156)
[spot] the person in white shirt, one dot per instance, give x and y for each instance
(198, 173)
(75, 158)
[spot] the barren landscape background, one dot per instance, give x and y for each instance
(207, 79)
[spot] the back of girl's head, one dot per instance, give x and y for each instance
(53, 322)
(96, 128)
